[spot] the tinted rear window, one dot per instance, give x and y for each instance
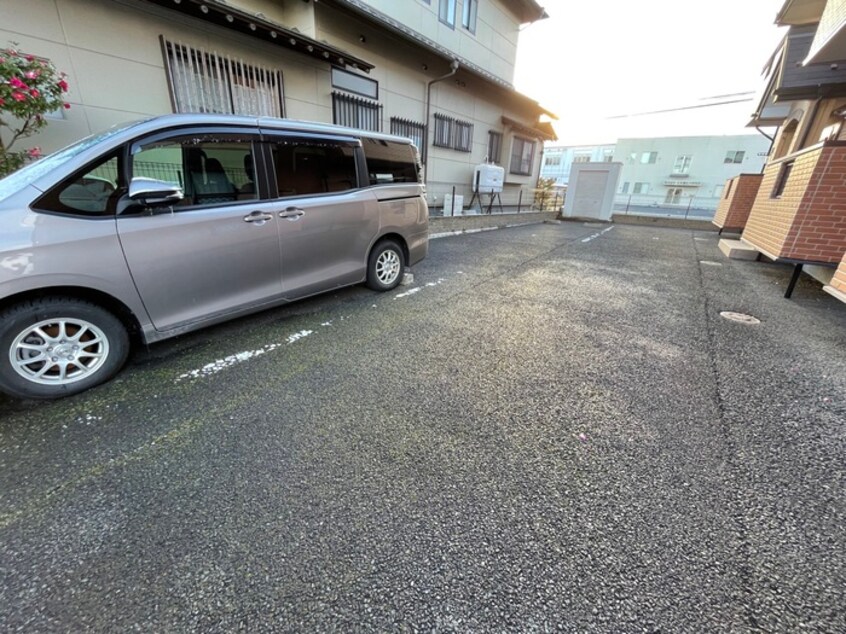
(390, 162)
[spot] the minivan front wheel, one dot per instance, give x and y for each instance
(385, 266)
(53, 347)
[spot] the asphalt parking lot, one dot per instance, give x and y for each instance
(552, 429)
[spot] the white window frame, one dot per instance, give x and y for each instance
(469, 15)
(682, 164)
(446, 12)
(673, 196)
(518, 151)
(495, 146)
(649, 157)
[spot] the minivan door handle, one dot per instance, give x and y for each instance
(291, 213)
(258, 217)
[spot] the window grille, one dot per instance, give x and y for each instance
(443, 131)
(208, 82)
(463, 141)
(355, 112)
(453, 133)
(410, 129)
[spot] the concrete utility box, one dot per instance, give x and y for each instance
(453, 206)
(591, 189)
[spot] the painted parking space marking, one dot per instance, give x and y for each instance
(240, 357)
(596, 235)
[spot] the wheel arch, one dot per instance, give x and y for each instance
(394, 237)
(93, 296)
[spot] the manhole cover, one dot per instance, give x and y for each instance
(739, 317)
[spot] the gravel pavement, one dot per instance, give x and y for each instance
(552, 429)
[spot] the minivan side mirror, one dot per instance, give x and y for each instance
(149, 191)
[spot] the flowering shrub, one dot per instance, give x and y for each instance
(29, 88)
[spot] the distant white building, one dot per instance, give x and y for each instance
(684, 171)
(688, 171)
(558, 159)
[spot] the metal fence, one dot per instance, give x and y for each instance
(512, 200)
(684, 205)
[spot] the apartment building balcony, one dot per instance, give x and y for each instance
(739, 195)
(799, 213)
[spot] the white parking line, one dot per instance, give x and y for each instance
(597, 234)
(241, 357)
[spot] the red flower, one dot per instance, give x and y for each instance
(34, 153)
(18, 96)
(63, 85)
(14, 82)
(35, 94)
(30, 58)
(66, 106)
(31, 74)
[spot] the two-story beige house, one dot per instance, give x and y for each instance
(438, 71)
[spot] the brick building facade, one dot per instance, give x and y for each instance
(800, 210)
(738, 197)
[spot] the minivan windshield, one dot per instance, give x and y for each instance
(16, 181)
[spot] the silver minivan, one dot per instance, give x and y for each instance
(167, 225)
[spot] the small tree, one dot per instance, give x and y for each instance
(29, 88)
(545, 193)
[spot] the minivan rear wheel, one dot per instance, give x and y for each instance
(54, 347)
(385, 266)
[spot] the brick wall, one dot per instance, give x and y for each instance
(839, 280)
(734, 209)
(808, 221)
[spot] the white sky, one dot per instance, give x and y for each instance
(592, 59)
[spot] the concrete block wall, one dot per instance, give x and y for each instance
(808, 221)
(734, 208)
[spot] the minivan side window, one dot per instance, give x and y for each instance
(390, 162)
(313, 166)
(211, 170)
(91, 192)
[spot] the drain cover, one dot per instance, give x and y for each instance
(740, 317)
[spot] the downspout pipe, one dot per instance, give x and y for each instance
(454, 65)
(771, 139)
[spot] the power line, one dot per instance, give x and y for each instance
(704, 105)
